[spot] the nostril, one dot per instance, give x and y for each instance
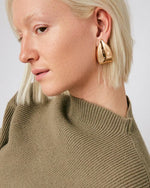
(29, 55)
(25, 59)
(30, 60)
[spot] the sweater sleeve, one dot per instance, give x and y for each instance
(9, 111)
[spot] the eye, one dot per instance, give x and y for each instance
(41, 29)
(19, 39)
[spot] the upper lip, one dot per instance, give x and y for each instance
(38, 71)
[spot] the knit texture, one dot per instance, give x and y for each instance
(71, 143)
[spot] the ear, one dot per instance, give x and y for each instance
(104, 25)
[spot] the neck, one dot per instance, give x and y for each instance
(110, 98)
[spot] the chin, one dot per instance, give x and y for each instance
(49, 92)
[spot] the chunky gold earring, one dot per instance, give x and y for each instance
(104, 53)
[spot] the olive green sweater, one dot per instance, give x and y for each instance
(71, 143)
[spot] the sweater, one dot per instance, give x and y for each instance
(69, 142)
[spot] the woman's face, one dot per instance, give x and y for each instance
(56, 43)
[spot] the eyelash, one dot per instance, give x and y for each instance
(19, 39)
(43, 27)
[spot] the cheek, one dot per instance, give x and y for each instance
(55, 46)
(69, 51)
(80, 54)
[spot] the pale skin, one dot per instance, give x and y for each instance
(57, 40)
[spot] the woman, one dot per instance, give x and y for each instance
(71, 123)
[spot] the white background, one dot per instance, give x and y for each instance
(138, 87)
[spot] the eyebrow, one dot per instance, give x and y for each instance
(28, 19)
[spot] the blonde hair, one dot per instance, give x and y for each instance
(120, 42)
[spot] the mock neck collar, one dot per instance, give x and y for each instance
(92, 116)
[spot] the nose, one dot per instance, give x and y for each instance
(28, 53)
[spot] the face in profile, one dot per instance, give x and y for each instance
(59, 46)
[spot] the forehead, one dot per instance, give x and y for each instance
(28, 8)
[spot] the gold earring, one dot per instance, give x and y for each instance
(104, 53)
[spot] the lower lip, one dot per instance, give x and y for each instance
(41, 76)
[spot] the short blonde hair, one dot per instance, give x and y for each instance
(120, 42)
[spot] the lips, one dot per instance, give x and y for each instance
(41, 74)
(39, 71)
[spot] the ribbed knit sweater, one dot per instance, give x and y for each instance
(69, 142)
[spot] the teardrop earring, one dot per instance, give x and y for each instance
(104, 53)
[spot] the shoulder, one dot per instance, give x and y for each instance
(12, 101)
(9, 112)
(11, 106)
